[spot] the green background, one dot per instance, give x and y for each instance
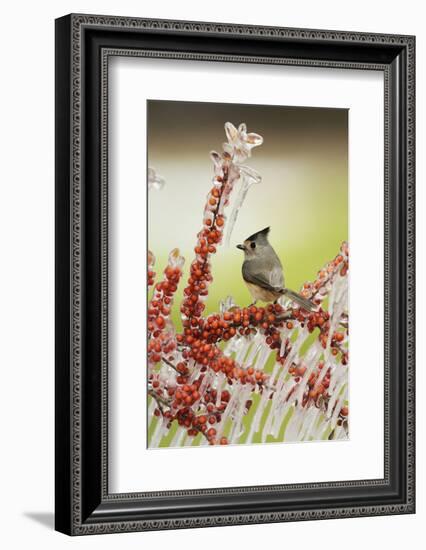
(303, 195)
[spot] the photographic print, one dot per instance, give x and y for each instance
(248, 274)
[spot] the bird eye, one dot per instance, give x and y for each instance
(252, 245)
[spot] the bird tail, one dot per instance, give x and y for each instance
(300, 300)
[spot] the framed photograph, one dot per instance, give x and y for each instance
(234, 274)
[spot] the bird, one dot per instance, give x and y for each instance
(263, 272)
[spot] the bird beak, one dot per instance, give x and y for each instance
(241, 246)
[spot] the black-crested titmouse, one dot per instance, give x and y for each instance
(263, 272)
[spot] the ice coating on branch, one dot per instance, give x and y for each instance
(248, 176)
(227, 173)
(287, 366)
(175, 259)
(155, 181)
(217, 164)
(303, 398)
(227, 304)
(240, 143)
(236, 151)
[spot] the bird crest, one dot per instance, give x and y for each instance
(263, 233)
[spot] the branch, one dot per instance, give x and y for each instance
(160, 400)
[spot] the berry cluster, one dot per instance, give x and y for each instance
(208, 239)
(191, 403)
(209, 411)
(320, 288)
(161, 333)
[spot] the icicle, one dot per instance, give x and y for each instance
(226, 304)
(275, 397)
(247, 177)
(280, 408)
(159, 431)
(243, 349)
(229, 409)
(255, 348)
(239, 415)
(178, 437)
(255, 425)
(220, 381)
(309, 422)
(294, 425)
(262, 357)
(339, 381)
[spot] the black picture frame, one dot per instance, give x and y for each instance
(83, 45)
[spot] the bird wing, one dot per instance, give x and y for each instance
(268, 279)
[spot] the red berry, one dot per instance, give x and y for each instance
(160, 322)
(211, 432)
